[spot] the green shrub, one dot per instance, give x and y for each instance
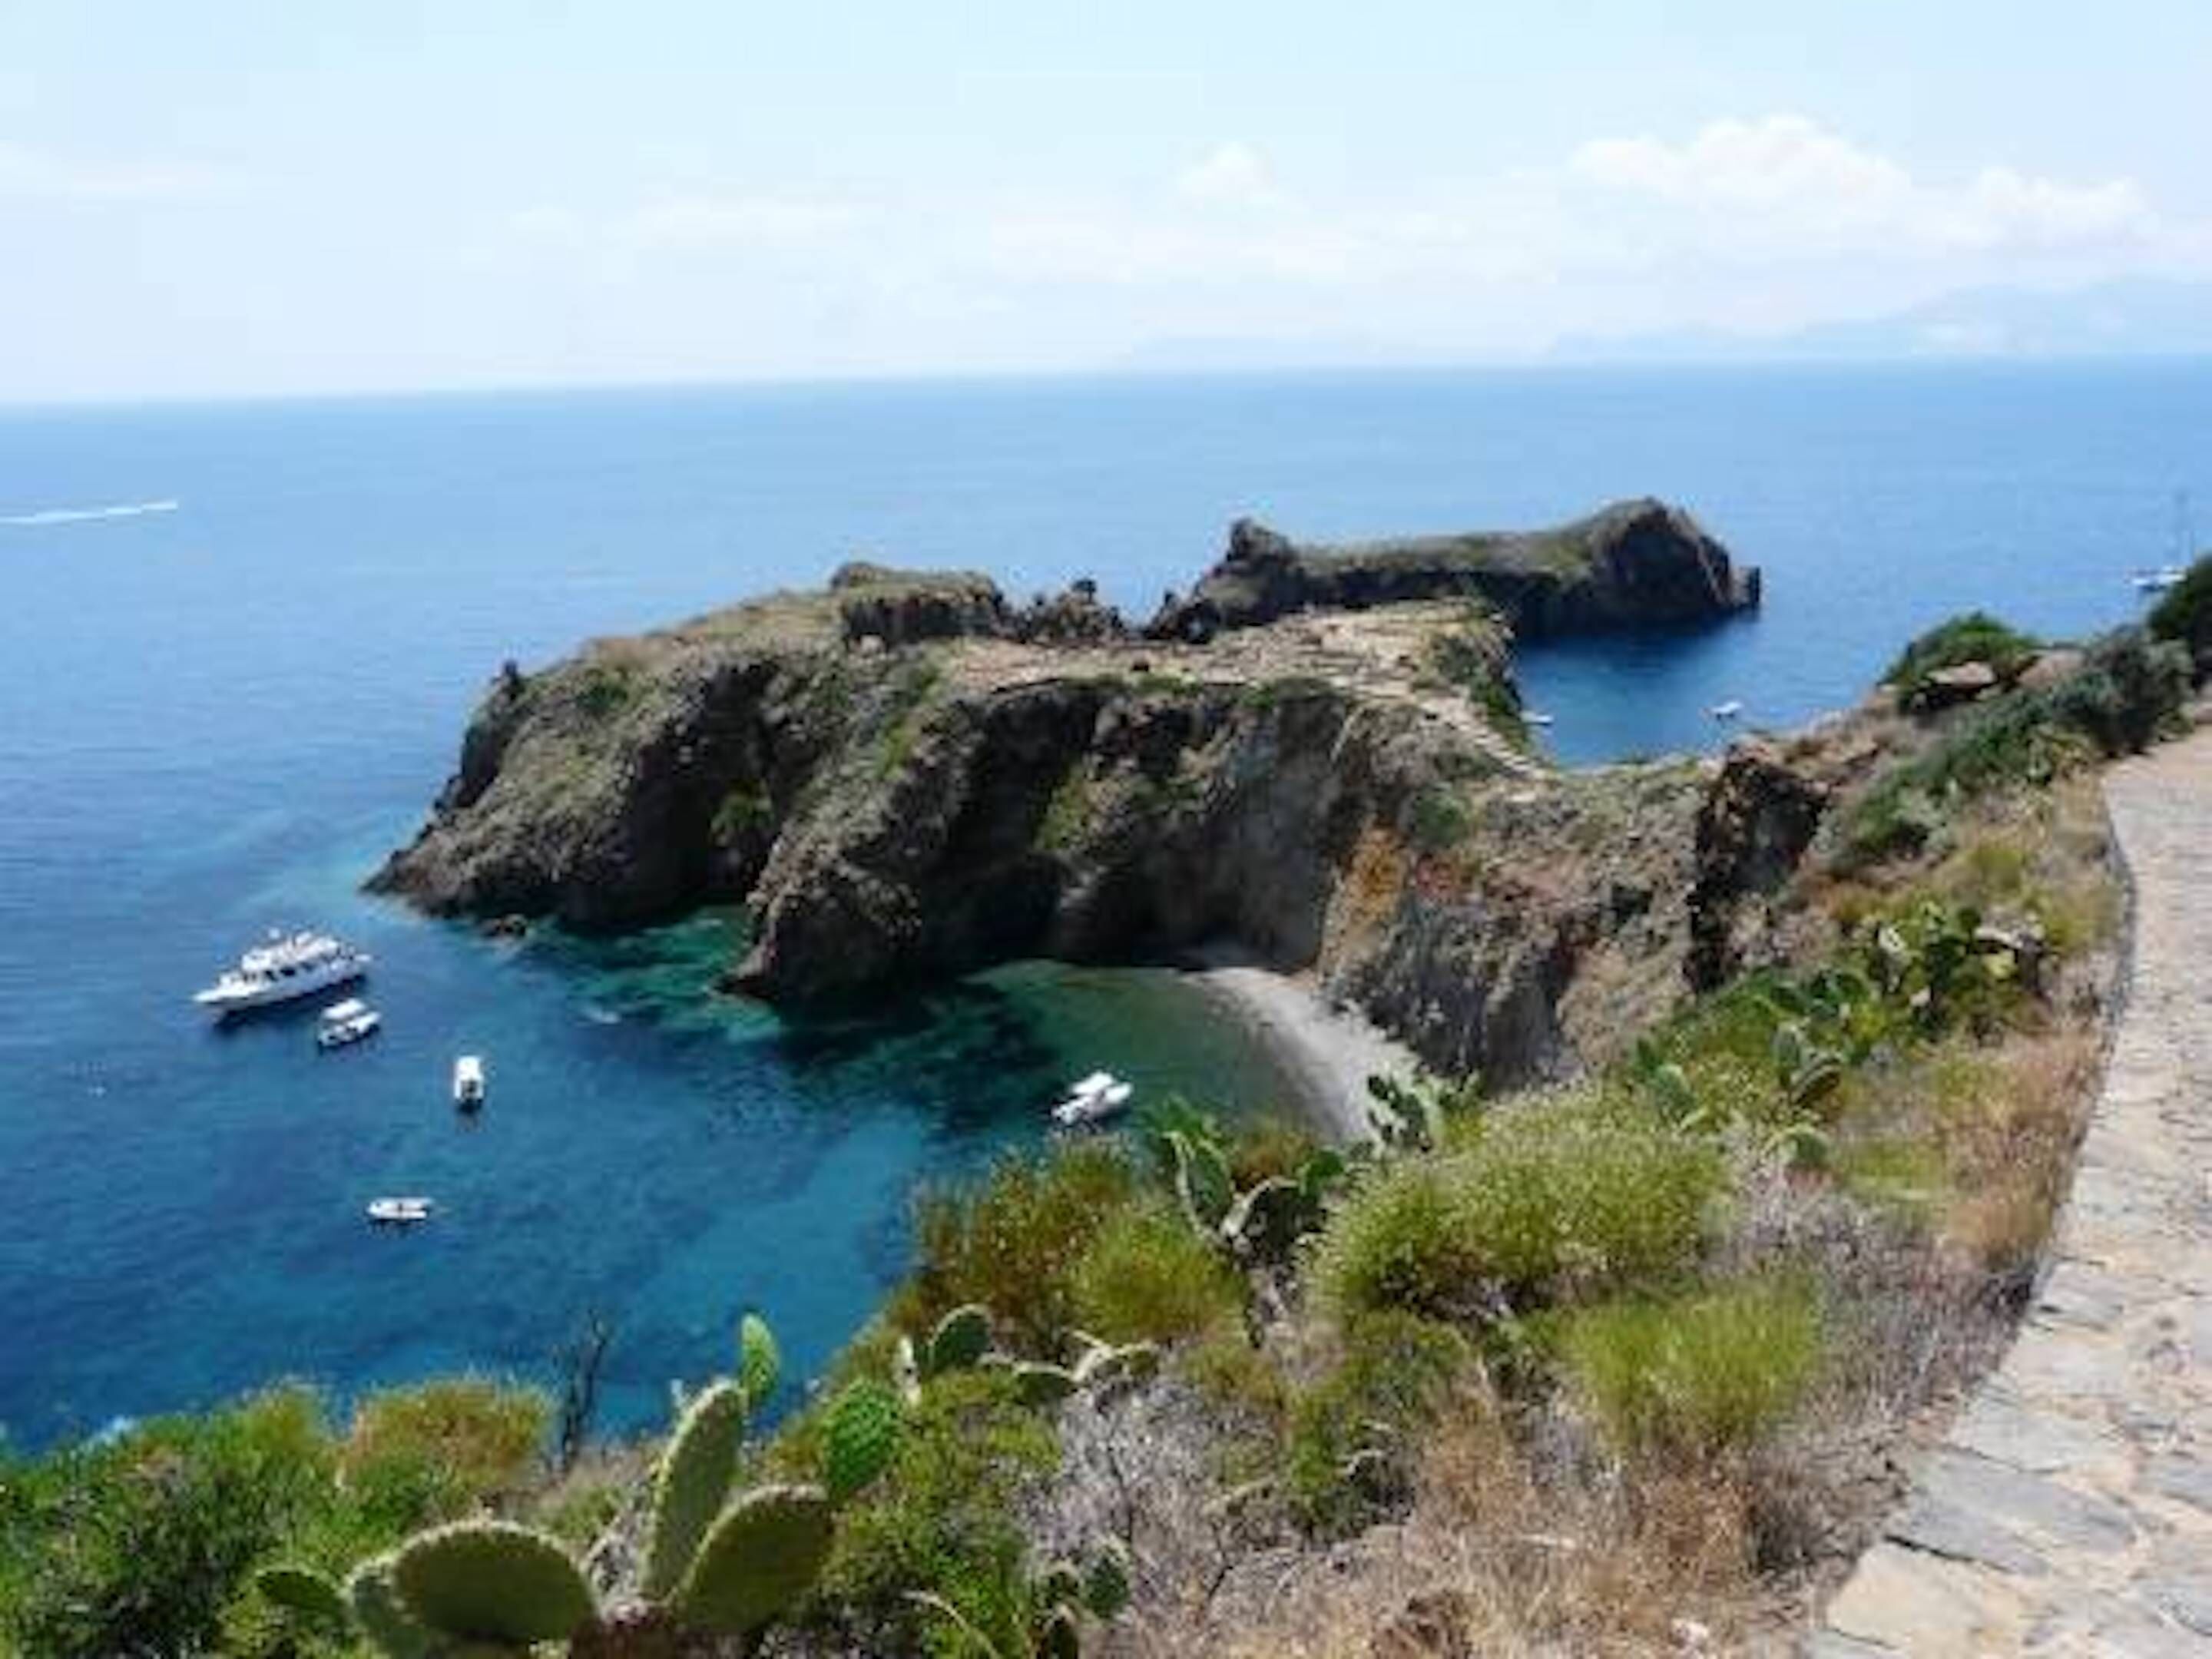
(138, 1546)
(1697, 1375)
(1543, 1201)
(941, 1522)
(1148, 1276)
(482, 1438)
(2184, 614)
(1439, 820)
(1012, 1241)
(1347, 1434)
(1976, 637)
(2128, 691)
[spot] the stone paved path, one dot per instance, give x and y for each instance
(2070, 1511)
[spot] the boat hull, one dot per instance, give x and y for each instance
(225, 1000)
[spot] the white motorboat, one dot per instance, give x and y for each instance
(468, 1082)
(285, 967)
(344, 1023)
(1092, 1099)
(1530, 717)
(1725, 711)
(400, 1211)
(2158, 580)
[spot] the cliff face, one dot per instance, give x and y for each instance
(904, 776)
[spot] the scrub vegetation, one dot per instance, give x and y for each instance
(1613, 1364)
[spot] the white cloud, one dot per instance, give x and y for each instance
(1233, 174)
(1785, 185)
(26, 170)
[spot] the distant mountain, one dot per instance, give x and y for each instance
(1200, 354)
(2139, 317)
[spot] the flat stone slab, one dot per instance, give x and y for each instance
(2070, 1511)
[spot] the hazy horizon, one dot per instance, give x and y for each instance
(245, 200)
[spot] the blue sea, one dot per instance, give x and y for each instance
(219, 707)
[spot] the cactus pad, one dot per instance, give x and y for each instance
(861, 1435)
(1041, 1385)
(906, 1371)
(492, 1580)
(1268, 1218)
(958, 1342)
(377, 1608)
(760, 1362)
(693, 1479)
(1202, 1179)
(304, 1591)
(764, 1553)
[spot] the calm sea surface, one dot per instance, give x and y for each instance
(215, 716)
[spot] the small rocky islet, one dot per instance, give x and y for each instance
(1317, 755)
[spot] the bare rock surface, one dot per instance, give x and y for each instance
(2070, 1512)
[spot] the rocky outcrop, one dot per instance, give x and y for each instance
(1754, 828)
(1635, 564)
(904, 777)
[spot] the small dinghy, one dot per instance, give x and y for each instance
(468, 1082)
(1725, 711)
(1092, 1099)
(345, 1022)
(400, 1211)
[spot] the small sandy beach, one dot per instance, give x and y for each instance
(1328, 1052)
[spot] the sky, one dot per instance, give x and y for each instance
(228, 198)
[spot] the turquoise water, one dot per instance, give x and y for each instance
(215, 718)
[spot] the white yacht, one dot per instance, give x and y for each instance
(344, 1023)
(1725, 711)
(468, 1082)
(400, 1212)
(2158, 580)
(1091, 1100)
(283, 967)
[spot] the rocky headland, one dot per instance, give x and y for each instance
(1318, 755)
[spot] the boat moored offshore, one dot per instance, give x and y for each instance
(285, 966)
(469, 1082)
(345, 1022)
(1091, 1100)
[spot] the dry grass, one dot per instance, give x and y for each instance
(2010, 1148)
(1499, 1557)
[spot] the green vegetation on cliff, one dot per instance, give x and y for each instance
(1676, 1309)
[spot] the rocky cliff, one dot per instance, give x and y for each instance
(1634, 565)
(906, 776)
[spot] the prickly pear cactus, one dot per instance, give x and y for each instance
(760, 1362)
(958, 1342)
(860, 1435)
(492, 1581)
(374, 1598)
(312, 1596)
(906, 1371)
(1039, 1385)
(1105, 1367)
(1268, 1218)
(693, 1479)
(1201, 1179)
(764, 1553)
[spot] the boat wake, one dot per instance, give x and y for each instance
(54, 515)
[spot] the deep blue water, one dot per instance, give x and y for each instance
(216, 718)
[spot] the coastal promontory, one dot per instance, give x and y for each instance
(1318, 756)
